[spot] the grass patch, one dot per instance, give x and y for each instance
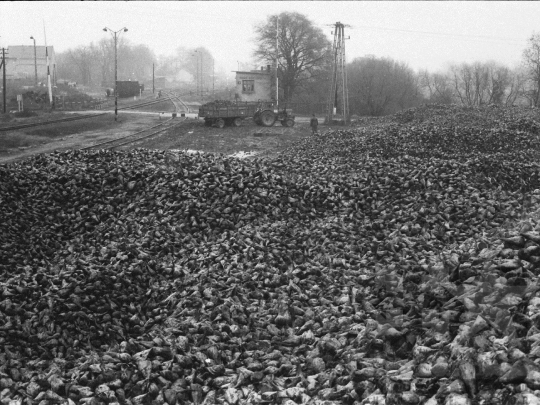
(44, 134)
(15, 140)
(25, 114)
(6, 118)
(67, 128)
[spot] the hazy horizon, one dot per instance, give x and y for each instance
(425, 35)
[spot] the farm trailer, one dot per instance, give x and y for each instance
(221, 113)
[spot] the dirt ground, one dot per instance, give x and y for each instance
(187, 134)
(191, 134)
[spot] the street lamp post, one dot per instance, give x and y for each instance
(35, 57)
(196, 72)
(202, 74)
(115, 34)
(202, 79)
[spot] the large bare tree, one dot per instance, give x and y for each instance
(302, 49)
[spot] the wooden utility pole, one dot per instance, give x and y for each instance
(153, 85)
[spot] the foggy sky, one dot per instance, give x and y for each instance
(426, 35)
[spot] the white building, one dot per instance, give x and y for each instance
(21, 64)
(255, 85)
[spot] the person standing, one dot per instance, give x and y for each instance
(313, 123)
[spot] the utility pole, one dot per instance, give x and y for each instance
(4, 77)
(338, 95)
(202, 78)
(115, 34)
(196, 71)
(35, 58)
(153, 86)
(277, 55)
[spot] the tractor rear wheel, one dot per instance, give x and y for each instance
(268, 118)
(220, 123)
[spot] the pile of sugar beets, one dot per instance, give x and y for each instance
(393, 263)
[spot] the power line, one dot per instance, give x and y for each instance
(448, 34)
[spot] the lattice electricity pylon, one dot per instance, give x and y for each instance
(338, 96)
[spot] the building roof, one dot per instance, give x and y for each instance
(27, 51)
(260, 72)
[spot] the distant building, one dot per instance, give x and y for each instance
(20, 62)
(255, 85)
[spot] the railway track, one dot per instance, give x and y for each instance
(132, 138)
(78, 117)
(179, 104)
(145, 133)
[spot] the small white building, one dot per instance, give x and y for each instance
(255, 85)
(21, 62)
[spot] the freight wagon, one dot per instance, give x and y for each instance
(129, 88)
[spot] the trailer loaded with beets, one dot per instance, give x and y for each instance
(220, 113)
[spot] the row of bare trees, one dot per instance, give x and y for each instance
(93, 64)
(379, 86)
(475, 84)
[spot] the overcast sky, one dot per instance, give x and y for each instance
(426, 35)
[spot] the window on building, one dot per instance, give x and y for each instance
(248, 86)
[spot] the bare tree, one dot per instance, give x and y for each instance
(302, 49)
(83, 57)
(407, 86)
(94, 64)
(485, 83)
(471, 83)
(531, 61)
(516, 88)
(436, 87)
(105, 51)
(499, 80)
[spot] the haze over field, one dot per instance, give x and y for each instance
(425, 35)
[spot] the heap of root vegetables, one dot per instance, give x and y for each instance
(395, 263)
